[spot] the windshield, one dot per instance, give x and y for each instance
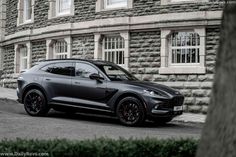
(116, 73)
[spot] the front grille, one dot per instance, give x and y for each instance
(177, 101)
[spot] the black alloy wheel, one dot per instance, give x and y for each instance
(130, 111)
(35, 103)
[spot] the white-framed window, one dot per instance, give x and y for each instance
(1, 58)
(63, 7)
(166, 2)
(22, 59)
(109, 4)
(59, 8)
(60, 48)
(183, 51)
(113, 49)
(184, 47)
(102, 5)
(25, 11)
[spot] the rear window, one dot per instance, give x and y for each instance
(66, 69)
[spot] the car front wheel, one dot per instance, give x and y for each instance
(130, 111)
(35, 103)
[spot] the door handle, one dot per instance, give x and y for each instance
(47, 79)
(77, 82)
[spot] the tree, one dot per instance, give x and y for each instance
(219, 134)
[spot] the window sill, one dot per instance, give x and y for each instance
(61, 15)
(110, 9)
(168, 2)
(25, 23)
(182, 70)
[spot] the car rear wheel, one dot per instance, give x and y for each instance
(35, 103)
(130, 111)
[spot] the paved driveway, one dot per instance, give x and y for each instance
(14, 122)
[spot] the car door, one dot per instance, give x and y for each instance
(57, 81)
(88, 92)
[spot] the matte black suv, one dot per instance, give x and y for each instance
(96, 85)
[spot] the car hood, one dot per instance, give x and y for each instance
(154, 87)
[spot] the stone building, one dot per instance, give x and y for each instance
(171, 42)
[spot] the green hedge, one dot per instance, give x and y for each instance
(104, 147)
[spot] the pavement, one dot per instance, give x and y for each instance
(10, 94)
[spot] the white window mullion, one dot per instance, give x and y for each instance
(113, 49)
(183, 44)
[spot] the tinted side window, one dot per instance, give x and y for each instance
(84, 70)
(66, 69)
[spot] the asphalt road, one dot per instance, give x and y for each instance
(15, 123)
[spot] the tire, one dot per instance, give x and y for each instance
(35, 103)
(131, 111)
(162, 120)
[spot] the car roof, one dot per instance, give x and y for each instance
(96, 62)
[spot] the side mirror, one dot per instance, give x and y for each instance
(95, 76)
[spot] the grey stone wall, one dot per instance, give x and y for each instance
(8, 78)
(83, 46)
(85, 11)
(2, 18)
(145, 62)
(38, 51)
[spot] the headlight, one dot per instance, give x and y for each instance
(20, 78)
(151, 93)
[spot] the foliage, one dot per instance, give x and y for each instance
(104, 147)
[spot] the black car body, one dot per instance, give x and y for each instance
(96, 85)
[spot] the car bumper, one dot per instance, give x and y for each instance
(165, 108)
(166, 113)
(18, 95)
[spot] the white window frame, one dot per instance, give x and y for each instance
(60, 49)
(22, 13)
(26, 8)
(18, 60)
(1, 57)
(113, 51)
(183, 47)
(99, 46)
(112, 6)
(166, 2)
(167, 67)
(54, 9)
(23, 58)
(51, 49)
(101, 5)
(58, 13)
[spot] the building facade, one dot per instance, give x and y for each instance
(171, 42)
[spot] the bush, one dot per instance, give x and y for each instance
(104, 147)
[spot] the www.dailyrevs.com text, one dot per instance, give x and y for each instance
(24, 154)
